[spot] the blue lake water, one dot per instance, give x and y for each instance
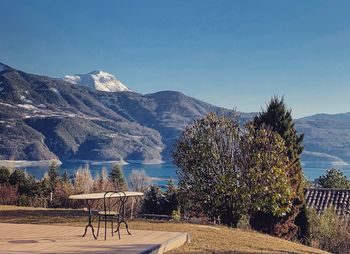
(161, 173)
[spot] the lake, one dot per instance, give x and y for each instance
(161, 173)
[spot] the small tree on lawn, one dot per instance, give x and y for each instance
(334, 178)
(116, 177)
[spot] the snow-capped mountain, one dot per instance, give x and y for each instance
(44, 118)
(99, 80)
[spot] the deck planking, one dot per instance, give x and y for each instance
(33, 238)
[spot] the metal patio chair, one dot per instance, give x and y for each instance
(113, 210)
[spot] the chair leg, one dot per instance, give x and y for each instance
(112, 225)
(118, 228)
(127, 227)
(105, 227)
(98, 227)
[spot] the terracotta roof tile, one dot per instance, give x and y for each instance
(320, 199)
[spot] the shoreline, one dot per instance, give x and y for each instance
(47, 163)
(23, 163)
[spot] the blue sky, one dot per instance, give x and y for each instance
(228, 53)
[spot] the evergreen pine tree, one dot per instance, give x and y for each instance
(116, 177)
(171, 188)
(153, 201)
(171, 197)
(279, 119)
(17, 177)
(53, 174)
(65, 177)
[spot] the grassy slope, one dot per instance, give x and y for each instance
(205, 239)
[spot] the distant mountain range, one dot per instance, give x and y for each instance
(94, 116)
(327, 138)
(45, 118)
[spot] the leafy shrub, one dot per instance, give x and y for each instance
(153, 201)
(19, 188)
(8, 194)
(176, 215)
(61, 192)
(328, 231)
(244, 222)
(18, 177)
(159, 202)
(4, 174)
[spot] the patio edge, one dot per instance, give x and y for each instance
(173, 243)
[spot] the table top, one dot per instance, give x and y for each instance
(101, 195)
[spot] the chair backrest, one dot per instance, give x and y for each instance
(114, 201)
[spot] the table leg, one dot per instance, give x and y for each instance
(89, 225)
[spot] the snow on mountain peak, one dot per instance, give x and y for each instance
(99, 80)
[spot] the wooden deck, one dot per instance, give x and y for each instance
(29, 238)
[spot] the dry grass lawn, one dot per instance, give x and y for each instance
(205, 239)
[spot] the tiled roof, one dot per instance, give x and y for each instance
(320, 199)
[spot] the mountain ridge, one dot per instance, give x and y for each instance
(45, 118)
(55, 119)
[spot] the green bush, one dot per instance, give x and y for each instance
(334, 178)
(161, 202)
(328, 231)
(4, 174)
(8, 194)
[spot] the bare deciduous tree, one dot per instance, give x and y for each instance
(83, 182)
(139, 180)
